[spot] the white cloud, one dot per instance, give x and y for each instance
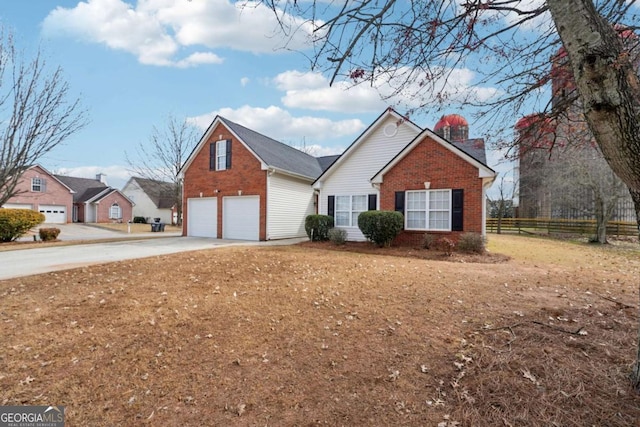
(312, 91)
(244, 81)
(279, 124)
(158, 31)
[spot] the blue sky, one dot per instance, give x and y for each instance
(133, 63)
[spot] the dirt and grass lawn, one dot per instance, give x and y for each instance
(539, 333)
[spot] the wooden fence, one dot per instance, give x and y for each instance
(559, 226)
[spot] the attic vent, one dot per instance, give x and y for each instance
(390, 130)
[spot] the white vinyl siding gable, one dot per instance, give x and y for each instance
(352, 176)
(144, 206)
(289, 201)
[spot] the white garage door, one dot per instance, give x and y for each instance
(54, 214)
(202, 217)
(241, 217)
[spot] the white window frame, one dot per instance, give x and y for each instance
(221, 155)
(37, 185)
(350, 212)
(428, 209)
(115, 212)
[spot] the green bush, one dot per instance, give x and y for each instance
(139, 220)
(471, 242)
(317, 227)
(48, 234)
(338, 236)
(381, 227)
(16, 222)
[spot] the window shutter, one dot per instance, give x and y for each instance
(400, 202)
(212, 156)
(457, 209)
(228, 154)
(331, 205)
(43, 185)
(373, 202)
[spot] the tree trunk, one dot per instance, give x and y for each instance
(609, 91)
(635, 372)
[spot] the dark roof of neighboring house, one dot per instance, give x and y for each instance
(326, 161)
(473, 147)
(85, 188)
(276, 154)
(162, 194)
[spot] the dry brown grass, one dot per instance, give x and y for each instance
(285, 336)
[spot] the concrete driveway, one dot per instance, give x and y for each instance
(25, 262)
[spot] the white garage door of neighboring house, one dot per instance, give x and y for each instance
(202, 217)
(54, 214)
(241, 218)
(17, 206)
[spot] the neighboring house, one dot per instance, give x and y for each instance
(95, 202)
(439, 186)
(152, 198)
(42, 191)
(239, 184)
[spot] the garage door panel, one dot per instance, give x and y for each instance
(54, 214)
(202, 217)
(241, 218)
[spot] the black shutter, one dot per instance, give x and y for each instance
(228, 154)
(212, 156)
(400, 202)
(373, 202)
(457, 209)
(331, 206)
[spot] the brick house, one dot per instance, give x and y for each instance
(439, 186)
(239, 184)
(42, 191)
(95, 202)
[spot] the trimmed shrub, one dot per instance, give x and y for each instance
(317, 227)
(139, 220)
(428, 241)
(16, 222)
(48, 234)
(381, 227)
(338, 236)
(471, 243)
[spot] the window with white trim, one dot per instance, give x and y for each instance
(428, 210)
(37, 185)
(221, 155)
(115, 212)
(348, 208)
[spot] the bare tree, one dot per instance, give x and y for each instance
(36, 114)
(416, 46)
(501, 205)
(162, 157)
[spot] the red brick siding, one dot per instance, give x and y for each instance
(105, 205)
(55, 194)
(245, 175)
(431, 162)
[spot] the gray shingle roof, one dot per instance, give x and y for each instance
(276, 154)
(473, 147)
(85, 188)
(162, 194)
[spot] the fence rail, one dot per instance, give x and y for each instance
(559, 226)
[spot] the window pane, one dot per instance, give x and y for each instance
(342, 203)
(417, 220)
(359, 203)
(416, 199)
(439, 220)
(221, 155)
(342, 219)
(439, 200)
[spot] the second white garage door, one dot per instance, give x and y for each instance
(241, 218)
(202, 217)
(54, 214)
